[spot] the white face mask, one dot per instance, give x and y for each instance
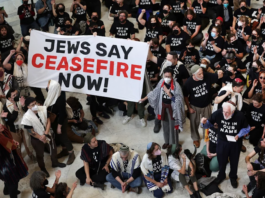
(167, 80)
(35, 108)
(239, 23)
(203, 66)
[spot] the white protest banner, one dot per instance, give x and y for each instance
(86, 64)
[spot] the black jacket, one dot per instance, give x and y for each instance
(220, 12)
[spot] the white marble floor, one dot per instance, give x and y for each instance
(113, 131)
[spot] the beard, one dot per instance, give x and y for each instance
(227, 118)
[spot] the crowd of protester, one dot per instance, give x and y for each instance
(215, 79)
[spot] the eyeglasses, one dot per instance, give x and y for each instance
(262, 78)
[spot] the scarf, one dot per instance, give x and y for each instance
(147, 170)
(31, 119)
(6, 140)
(87, 155)
(21, 75)
(7, 84)
(178, 106)
(235, 97)
(116, 162)
(53, 93)
(10, 108)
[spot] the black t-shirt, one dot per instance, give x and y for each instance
(177, 42)
(77, 112)
(152, 70)
(165, 21)
(157, 164)
(152, 33)
(256, 116)
(165, 98)
(253, 75)
(213, 139)
(199, 91)
(79, 13)
(258, 151)
(224, 63)
(115, 9)
(96, 28)
(219, 42)
(41, 193)
(60, 19)
(257, 89)
(212, 3)
(198, 9)
(188, 59)
(123, 31)
(176, 6)
(257, 193)
(238, 13)
(180, 72)
(145, 4)
(235, 45)
(191, 25)
(95, 153)
(226, 78)
(262, 30)
(228, 127)
(247, 31)
(161, 53)
(6, 43)
(28, 18)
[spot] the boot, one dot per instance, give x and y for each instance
(197, 194)
(63, 153)
(60, 165)
(6, 192)
(71, 158)
(98, 185)
(46, 172)
(157, 126)
(136, 190)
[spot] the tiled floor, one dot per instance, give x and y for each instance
(113, 131)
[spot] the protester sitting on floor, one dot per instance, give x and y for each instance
(38, 183)
(63, 191)
(183, 169)
(126, 172)
(155, 169)
(259, 191)
(96, 155)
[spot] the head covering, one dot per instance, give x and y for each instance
(26, 40)
(124, 148)
(208, 61)
(220, 18)
(195, 68)
(29, 100)
(88, 138)
(53, 93)
(149, 145)
(173, 148)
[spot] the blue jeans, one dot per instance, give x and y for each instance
(135, 183)
(159, 193)
(25, 28)
(148, 13)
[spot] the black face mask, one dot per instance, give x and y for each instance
(254, 69)
(95, 18)
(230, 73)
(152, 47)
(165, 11)
(60, 9)
(191, 49)
(45, 183)
(254, 37)
(68, 26)
(16, 99)
(175, 31)
(243, 8)
(153, 25)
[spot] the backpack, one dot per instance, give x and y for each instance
(202, 165)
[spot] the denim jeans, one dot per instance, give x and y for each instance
(135, 183)
(25, 28)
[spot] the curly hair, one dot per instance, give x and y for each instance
(150, 151)
(60, 190)
(36, 180)
(73, 102)
(261, 180)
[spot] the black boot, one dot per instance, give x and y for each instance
(6, 192)
(46, 172)
(60, 165)
(63, 153)
(98, 185)
(197, 194)
(157, 125)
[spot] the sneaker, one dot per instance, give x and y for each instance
(104, 115)
(97, 120)
(143, 122)
(126, 119)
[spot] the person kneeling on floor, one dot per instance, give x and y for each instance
(96, 155)
(126, 172)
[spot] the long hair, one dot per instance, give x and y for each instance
(153, 17)
(261, 180)
(261, 156)
(60, 190)
(175, 154)
(36, 180)
(150, 151)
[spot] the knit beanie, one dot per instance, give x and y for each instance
(124, 148)
(194, 69)
(88, 138)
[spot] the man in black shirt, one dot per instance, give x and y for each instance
(157, 50)
(228, 60)
(259, 164)
(190, 55)
(197, 94)
(117, 6)
(123, 28)
(95, 25)
(26, 14)
(232, 126)
(93, 6)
